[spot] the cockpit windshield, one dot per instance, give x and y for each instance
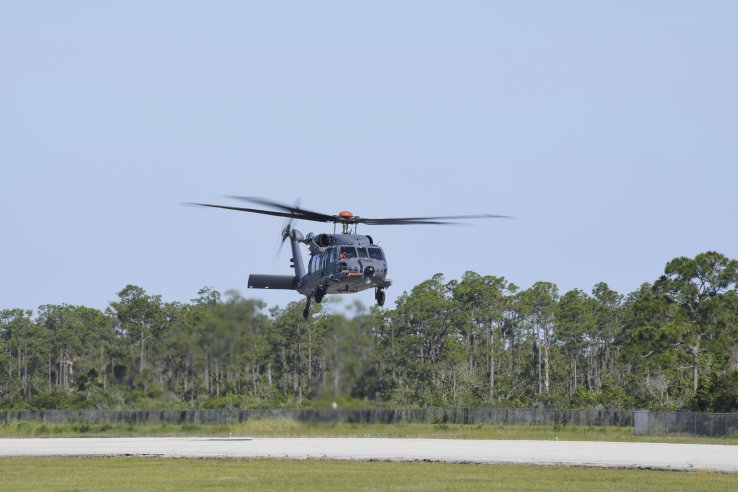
(376, 254)
(362, 253)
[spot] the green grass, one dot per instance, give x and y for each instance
(282, 427)
(109, 474)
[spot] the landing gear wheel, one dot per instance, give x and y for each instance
(379, 296)
(319, 294)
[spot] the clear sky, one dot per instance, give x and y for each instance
(608, 129)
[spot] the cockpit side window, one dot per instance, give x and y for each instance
(347, 252)
(376, 254)
(362, 253)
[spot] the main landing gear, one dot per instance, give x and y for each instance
(306, 311)
(317, 295)
(379, 296)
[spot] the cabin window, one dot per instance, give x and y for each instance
(314, 265)
(376, 254)
(362, 253)
(329, 256)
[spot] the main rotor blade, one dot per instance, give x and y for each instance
(295, 212)
(294, 209)
(257, 211)
(362, 220)
(440, 220)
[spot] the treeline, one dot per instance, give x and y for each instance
(479, 340)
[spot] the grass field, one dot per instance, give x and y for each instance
(291, 428)
(109, 474)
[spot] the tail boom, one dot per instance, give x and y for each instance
(282, 282)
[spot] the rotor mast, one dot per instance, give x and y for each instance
(346, 219)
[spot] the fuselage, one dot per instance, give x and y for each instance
(343, 263)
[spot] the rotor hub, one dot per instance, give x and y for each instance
(346, 218)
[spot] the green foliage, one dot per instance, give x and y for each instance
(479, 340)
(716, 393)
(583, 398)
(614, 395)
(725, 392)
(697, 288)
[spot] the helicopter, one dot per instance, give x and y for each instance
(340, 263)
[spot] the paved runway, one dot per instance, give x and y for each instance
(574, 453)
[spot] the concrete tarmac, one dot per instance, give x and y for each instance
(573, 453)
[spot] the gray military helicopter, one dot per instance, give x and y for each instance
(339, 263)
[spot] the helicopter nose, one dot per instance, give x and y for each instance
(369, 272)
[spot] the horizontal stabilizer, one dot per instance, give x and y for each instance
(288, 282)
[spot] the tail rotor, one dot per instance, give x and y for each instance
(287, 230)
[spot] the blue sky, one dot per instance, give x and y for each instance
(607, 129)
